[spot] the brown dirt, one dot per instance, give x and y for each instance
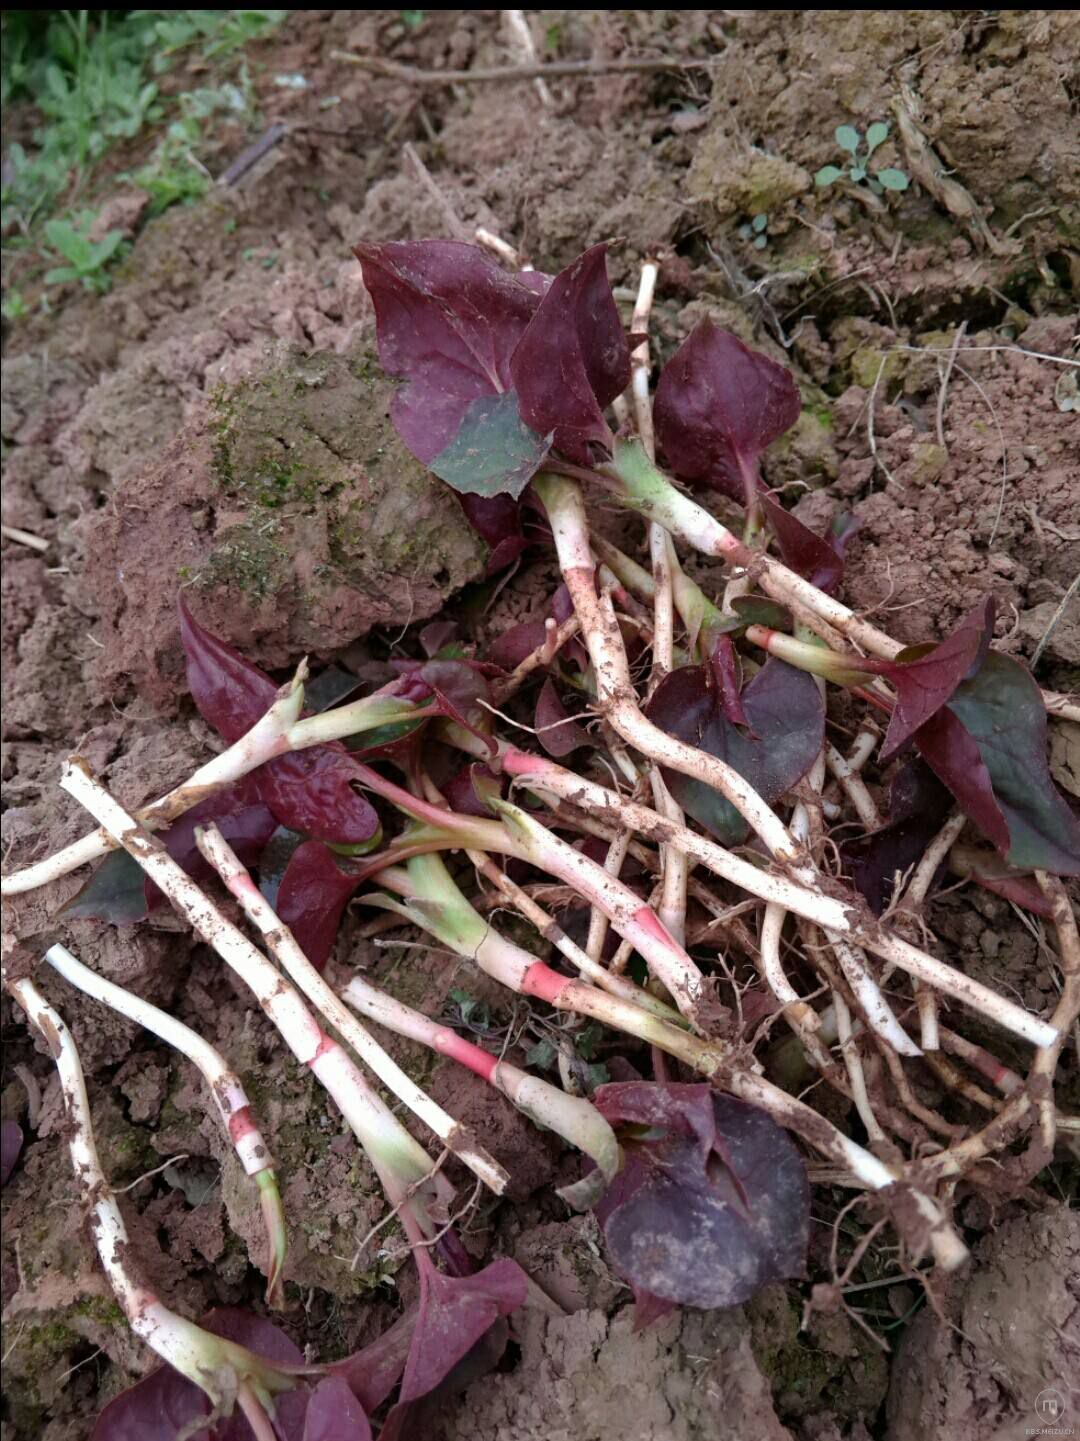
(1010, 1330)
(216, 422)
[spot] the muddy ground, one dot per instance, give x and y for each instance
(217, 422)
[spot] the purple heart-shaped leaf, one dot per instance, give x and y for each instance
(786, 716)
(712, 1203)
(312, 897)
(574, 358)
(718, 405)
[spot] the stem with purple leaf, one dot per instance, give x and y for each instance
(398, 1160)
(278, 732)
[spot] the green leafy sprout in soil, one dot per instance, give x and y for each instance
(859, 149)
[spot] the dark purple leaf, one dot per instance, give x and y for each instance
(918, 805)
(951, 752)
(989, 747)
(334, 1414)
(556, 729)
(727, 679)
(229, 691)
(116, 892)
(497, 520)
(712, 1202)
(465, 791)
(453, 1315)
(573, 359)
(312, 897)
(494, 452)
(988, 870)
(786, 716)
(810, 555)
(510, 647)
(274, 861)
(924, 677)
(163, 1404)
(371, 1374)
(329, 688)
(119, 891)
(11, 1144)
(438, 634)
(311, 790)
(718, 406)
(447, 320)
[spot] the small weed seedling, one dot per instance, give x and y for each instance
(860, 149)
(87, 260)
(756, 231)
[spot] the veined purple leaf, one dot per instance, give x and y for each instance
(494, 452)
(447, 320)
(925, 676)
(165, 1403)
(918, 805)
(497, 521)
(718, 405)
(786, 716)
(454, 1314)
(988, 745)
(712, 1202)
(812, 556)
(556, 729)
(11, 1144)
(310, 790)
(312, 897)
(573, 359)
(334, 1414)
(372, 1373)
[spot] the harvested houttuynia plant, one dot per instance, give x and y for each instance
(676, 799)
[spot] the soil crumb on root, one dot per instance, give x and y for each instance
(296, 517)
(1012, 1331)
